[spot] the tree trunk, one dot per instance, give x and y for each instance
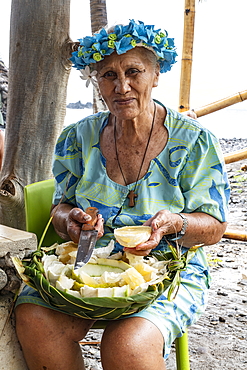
(98, 21)
(38, 75)
(98, 14)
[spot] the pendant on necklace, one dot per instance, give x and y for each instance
(132, 195)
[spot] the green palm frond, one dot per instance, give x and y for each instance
(100, 308)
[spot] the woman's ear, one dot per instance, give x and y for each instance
(157, 75)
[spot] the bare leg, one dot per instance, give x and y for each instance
(49, 339)
(133, 343)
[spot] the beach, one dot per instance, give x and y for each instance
(227, 123)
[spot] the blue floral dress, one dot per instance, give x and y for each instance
(187, 176)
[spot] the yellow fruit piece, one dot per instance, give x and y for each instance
(77, 286)
(131, 236)
(132, 277)
(111, 278)
(87, 279)
(20, 268)
(148, 272)
(105, 277)
(67, 252)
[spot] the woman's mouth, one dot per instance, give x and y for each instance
(124, 101)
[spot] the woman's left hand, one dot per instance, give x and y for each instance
(202, 229)
(161, 224)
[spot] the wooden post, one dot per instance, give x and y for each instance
(186, 67)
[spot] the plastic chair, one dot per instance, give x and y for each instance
(38, 200)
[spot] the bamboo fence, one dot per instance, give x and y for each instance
(220, 104)
(236, 235)
(236, 156)
(184, 95)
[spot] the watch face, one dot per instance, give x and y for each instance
(185, 224)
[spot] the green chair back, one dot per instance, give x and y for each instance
(38, 201)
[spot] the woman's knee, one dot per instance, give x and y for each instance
(132, 342)
(40, 321)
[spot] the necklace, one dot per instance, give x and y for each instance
(132, 194)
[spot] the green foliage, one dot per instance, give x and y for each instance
(98, 308)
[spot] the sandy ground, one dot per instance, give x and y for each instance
(218, 341)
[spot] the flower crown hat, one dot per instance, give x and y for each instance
(93, 49)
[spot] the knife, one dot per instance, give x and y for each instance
(88, 238)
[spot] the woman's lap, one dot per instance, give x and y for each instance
(171, 317)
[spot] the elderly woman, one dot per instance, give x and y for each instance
(138, 163)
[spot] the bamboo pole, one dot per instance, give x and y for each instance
(236, 156)
(186, 63)
(236, 235)
(220, 104)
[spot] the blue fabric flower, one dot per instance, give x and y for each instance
(122, 39)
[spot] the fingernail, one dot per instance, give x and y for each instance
(87, 217)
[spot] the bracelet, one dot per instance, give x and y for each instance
(181, 233)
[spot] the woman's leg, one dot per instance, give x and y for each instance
(49, 339)
(133, 343)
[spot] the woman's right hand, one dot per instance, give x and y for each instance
(76, 218)
(68, 221)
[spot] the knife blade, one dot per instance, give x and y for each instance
(88, 238)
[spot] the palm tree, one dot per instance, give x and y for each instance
(39, 68)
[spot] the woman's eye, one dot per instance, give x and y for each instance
(132, 72)
(110, 75)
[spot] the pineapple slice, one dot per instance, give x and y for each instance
(148, 272)
(105, 277)
(67, 252)
(110, 277)
(132, 277)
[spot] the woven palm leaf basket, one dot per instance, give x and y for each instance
(103, 308)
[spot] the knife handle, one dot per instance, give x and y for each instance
(93, 212)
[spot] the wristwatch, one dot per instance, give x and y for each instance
(181, 233)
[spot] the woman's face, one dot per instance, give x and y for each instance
(126, 82)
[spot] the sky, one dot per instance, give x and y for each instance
(219, 50)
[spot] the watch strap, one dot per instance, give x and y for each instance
(181, 233)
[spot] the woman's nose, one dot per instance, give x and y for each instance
(122, 85)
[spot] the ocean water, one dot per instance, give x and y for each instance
(75, 115)
(227, 123)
